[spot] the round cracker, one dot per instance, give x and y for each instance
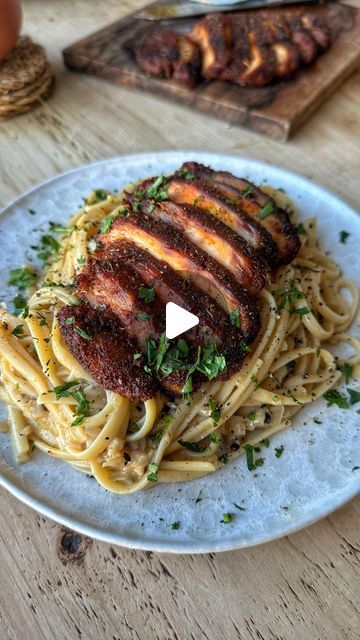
(22, 66)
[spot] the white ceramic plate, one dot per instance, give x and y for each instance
(313, 476)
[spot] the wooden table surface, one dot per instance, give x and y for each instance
(55, 584)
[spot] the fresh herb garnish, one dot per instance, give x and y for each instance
(255, 380)
(152, 475)
(18, 331)
(186, 174)
(353, 395)
(251, 416)
(82, 408)
(244, 348)
(289, 295)
(235, 318)
(332, 396)
(317, 421)
(199, 498)
(109, 219)
(82, 333)
(175, 525)
(300, 229)
(355, 468)
(214, 410)
(161, 428)
(21, 306)
(266, 211)
(195, 447)
(47, 248)
(70, 320)
(224, 458)
(147, 294)
(239, 507)
(62, 391)
(227, 518)
(347, 371)
(265, 442)
(144, 315)
(343, 236)
(158, 189)
(22, 278)
(249, 449)
(214, 438)
(279, 451)
(247, 191)
(137, 356)
(301, 311)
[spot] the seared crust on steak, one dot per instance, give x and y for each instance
(107, 353)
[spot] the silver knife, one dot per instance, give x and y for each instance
(169, 9)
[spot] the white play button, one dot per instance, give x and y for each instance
(178, 320)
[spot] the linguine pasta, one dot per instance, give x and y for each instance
(54, 404)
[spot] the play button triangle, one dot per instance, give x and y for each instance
(178, 320)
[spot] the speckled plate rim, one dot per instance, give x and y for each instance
(174, 546)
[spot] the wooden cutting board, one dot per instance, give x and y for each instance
(277, 110)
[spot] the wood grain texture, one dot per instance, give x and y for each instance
(56, 585)
(277, 110)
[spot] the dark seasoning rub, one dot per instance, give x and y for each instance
(136, 270)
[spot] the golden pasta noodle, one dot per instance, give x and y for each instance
(55, 405)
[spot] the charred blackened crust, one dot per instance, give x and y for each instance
(172, 247)
(203, 194)
(106, 352)
(254, 201)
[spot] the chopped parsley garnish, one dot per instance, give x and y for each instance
(317, 421)
(152, 475)
(21, 306)
(161, 428)
(82, 408)
(18, 331)
(347, 371)
(255, 380)
(230, 200)
(70, 320)
(224, 458)
(199, 498)
(235, 318)
(195, 447)
(247, 191)
(301, 311)
(300, 229)
(265, 442)
(343, 236)
(146, 294)
(109, 219)
(291, 395)
(136, 356)
(239, 507)
(249, 450)
(251, 416)
(289, 295)
(82, 333)
(244, 348)
(47, 248)
(22, 278)
(62, 391)
(227, 518)
(99, 196)
(175, 525)
(158, 189)
(279, 451)
(32, 212)
(266, 211)
(355, 468)
(186, 174)
(214, 438)
(332, 396)
(353, 395)
(144, 315)
(214, 410)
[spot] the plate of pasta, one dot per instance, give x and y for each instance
(243, 429)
